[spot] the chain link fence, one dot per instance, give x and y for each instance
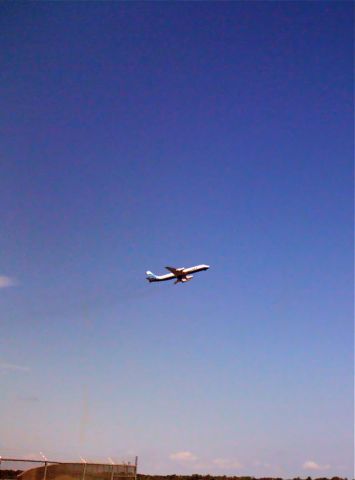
(24, 469)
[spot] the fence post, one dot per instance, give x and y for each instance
(45, 471)
(136, 465)
(84, 471)
(112, 472)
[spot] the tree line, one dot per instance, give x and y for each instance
(141, 476)
(12, 474)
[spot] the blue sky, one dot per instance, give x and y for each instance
(139, 135)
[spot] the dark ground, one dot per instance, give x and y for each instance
(10, 474)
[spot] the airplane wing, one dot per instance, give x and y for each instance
(176, 271)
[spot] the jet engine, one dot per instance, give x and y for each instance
(187, 278)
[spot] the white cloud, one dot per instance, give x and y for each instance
(311, 465)
(11, 367)
(6, 281)
(183, 456)
(226, 463)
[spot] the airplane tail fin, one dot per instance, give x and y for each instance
(150, 276)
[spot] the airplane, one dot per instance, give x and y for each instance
(180, 274)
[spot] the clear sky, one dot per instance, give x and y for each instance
(139, 135)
